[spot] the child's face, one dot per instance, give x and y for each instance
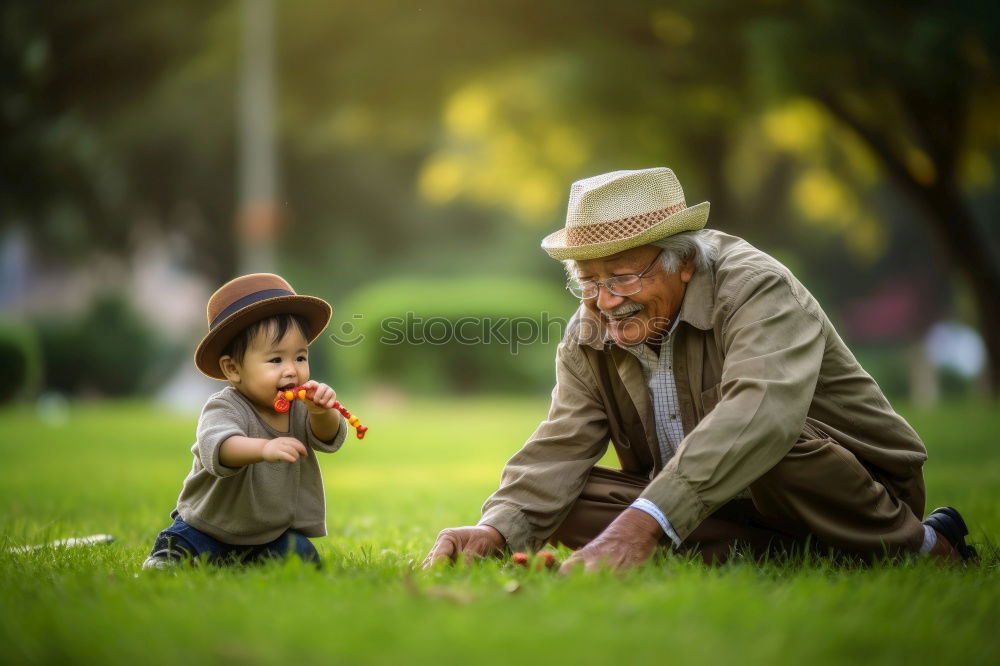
(268, 367)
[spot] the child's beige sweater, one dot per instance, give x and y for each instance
(254, 504)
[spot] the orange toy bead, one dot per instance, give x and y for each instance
(289, 395)
(354, 421)
(281, 405)
(361, 432)
(520, 559)
(302, 394)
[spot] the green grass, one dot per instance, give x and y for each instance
(117, 468)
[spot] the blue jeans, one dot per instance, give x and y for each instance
(182, 537)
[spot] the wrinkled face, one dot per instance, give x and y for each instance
(269, 366)
(646, 315)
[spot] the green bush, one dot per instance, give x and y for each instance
(449, 335)
(20, 360)
(110, 350)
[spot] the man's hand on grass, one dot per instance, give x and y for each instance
(627, 542)
(455, 542)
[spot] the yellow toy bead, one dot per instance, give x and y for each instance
(302, 394)
(289, 395)
(354, 421)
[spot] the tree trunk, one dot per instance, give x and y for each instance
(969, 253)
(951, 221)
(710, 151)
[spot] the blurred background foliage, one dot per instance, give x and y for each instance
(459, 334)
(424, 150)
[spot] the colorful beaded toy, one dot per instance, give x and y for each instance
(283, 402)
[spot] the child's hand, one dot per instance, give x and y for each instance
(288, 449)
(319, 397)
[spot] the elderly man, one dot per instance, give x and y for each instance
(737, 413)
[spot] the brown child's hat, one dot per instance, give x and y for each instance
(246, 300)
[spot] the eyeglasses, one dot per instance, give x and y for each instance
(619, 285)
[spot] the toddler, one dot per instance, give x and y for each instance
(255, 489)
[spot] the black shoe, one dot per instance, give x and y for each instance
(948, 522)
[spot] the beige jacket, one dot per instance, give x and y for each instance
(758, 367)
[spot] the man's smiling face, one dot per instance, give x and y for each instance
(646, 315)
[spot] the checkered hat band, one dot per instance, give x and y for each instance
(603, 232)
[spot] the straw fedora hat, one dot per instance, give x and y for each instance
(620, 210)
(245, 301)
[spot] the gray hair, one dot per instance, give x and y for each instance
(695, 245)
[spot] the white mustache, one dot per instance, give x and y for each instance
(623, 309)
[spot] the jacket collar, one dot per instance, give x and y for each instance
(699, 300)
(587, 329)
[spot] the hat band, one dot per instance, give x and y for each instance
(249, 299)
(603, 232)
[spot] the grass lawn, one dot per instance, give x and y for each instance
(117, 468)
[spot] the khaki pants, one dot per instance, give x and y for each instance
(820, 494)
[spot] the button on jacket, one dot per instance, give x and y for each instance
(758, 367)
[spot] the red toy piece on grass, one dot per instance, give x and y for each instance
(543, 560)
(283, 402)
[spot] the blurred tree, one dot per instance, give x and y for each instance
(109, 112)
(917, 83)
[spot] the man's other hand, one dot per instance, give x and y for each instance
(627, 542)
(475, 541)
